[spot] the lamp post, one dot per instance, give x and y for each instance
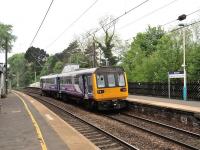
(180, 18)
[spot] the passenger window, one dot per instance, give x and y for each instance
(76, 80)
(121, 80)
(111, 80)
(100, 81)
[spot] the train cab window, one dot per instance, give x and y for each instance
(100, 81)
(121, 80)
(111, 80)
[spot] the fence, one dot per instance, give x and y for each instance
(161, 89)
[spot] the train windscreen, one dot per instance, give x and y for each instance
(113, 79)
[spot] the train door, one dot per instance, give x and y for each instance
(58, 83)
(87, 86)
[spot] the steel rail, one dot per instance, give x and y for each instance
(127, 145)
(152, 132)
(164, 125)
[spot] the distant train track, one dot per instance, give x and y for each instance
(179, 136)
(99, 137)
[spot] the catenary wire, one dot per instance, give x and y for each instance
(148, 14)
(186, 25)
(177, 19)
(41, 23)
(76, 20)
(117, 18)
(175, 29)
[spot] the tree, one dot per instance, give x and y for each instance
(88, 51)
(49, 65)
(19, 71)
(6, 33)
(148, 40)
(193, 63)
(36, 59)
(70, 52)
(152, 54)
(58, 67)
(36, 56)
(108, 43)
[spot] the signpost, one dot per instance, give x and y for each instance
(172, 75)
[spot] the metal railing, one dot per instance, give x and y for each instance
(161, 89)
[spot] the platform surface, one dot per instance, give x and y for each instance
(18, 131)
(188, 106)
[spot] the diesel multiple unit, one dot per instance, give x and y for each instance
(101, 88)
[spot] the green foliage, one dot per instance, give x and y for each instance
(6, 33)
(193, 63)
(19, 71)
(154, 53)
(71, 50)
(58, 67)
(150, 60)
(36, 59)
(36, 56)
(109, 40)
(49, 65)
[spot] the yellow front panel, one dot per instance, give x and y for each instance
(109, 93)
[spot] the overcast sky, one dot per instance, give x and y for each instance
(26, 16)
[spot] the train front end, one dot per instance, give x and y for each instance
(110, 88)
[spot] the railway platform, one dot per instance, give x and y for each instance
(187, 106)
(27, 124)
(169, 110)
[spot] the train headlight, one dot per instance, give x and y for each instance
(123, 89)
(100, 91)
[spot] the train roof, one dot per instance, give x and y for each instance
(49, 76)
(92, 70)
(76, 72)
(85, 71)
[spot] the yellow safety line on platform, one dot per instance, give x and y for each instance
(37, 128)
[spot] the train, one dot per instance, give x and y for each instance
(101, 88)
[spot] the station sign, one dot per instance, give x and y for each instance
(176, 74)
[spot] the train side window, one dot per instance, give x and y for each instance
(121, 80)
(76, 80)
(100, 81)
(111, 80)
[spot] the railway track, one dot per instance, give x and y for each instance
(181, 137)
(99, 137)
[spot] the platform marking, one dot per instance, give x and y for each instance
(37, 128)
(49, 116)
